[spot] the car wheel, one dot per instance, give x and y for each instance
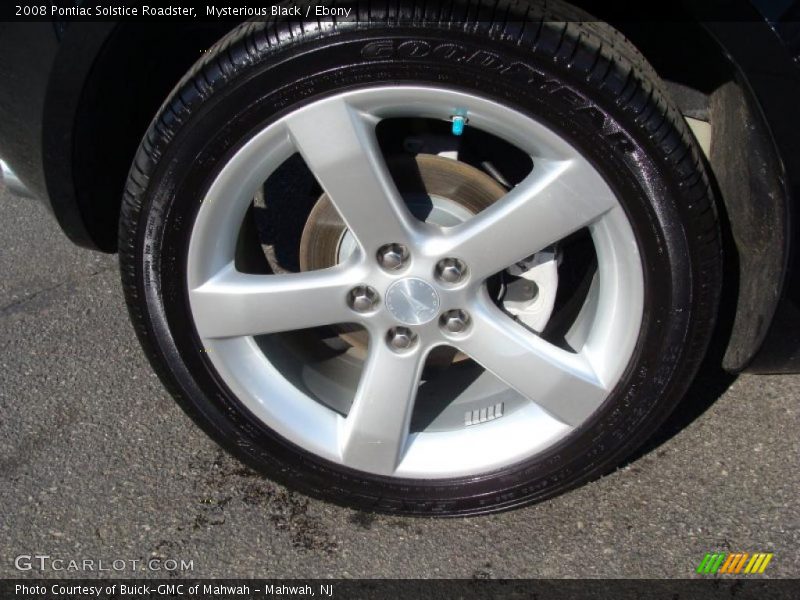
(447, 265)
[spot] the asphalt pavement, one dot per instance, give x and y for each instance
(98, 463)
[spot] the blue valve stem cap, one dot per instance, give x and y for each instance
(458, 124)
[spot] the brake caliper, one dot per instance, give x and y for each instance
(530, 288)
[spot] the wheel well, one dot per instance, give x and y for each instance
(746, 176)
(133, 74)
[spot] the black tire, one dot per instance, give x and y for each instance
(583, 79)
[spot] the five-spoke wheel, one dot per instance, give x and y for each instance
(415, 286)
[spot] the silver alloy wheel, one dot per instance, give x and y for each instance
(336, 138)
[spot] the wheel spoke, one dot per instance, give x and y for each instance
(562, 383)
(376, 428)
(555, 200)
(234, 304)
(340, 147)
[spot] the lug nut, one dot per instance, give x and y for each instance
(454, 321)
(401, 338)
(451, 270)
(393, 257)
(362, 298)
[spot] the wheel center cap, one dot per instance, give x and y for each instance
(412, 301)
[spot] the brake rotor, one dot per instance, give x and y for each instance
(437, 190)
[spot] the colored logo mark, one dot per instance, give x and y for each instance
(734, 563)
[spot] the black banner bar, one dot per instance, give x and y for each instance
(66, 11)
(434, 589)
